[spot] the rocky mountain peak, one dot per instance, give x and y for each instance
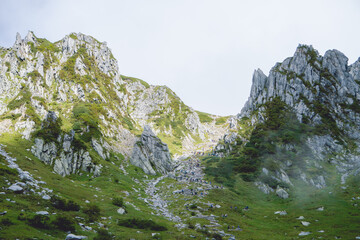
(96, 108)
(322, 92)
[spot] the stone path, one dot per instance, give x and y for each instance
(156, 202)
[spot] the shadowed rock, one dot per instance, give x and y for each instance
(151, 154)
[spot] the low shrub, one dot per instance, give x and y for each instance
(64, 205)
(39, 221)
(118, 201)
(141, 224)
(6, 222)
(64, 223)
(92, 211)
(103, 234)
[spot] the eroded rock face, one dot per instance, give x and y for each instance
(150, 154)
(321, 91)
(62, 154)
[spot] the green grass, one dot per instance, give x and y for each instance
(221, 120)
(132, 79)
(204, 117)
(78, 189)
(340, 218)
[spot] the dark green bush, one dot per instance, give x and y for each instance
(141, 224)
(64, 205)
(191, 226)
(6, 222)
(92, 211)
(50, 130)
(103, 234)
(64, 223)
(118, 201)
(72, 206)
(39, 221)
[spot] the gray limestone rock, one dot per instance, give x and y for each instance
(71, 236)
(264, 187)
(98, 148)
(16, 188)
(281, 193)
(65, 158)
(151, 154)
(121, 211)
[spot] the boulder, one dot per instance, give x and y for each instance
(305, 223)
(121, 211)
(264, 187)
(151, 154)
(74, 237)
(42, 213)
(16, 188)
(281, 193)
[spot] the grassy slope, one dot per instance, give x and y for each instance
(339, 218)
(78, 189)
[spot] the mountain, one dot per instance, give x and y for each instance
(303, 120)
(77, 80)
(88, 153)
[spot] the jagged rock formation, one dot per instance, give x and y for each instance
(63, 154)
(151, 154)
(323, 93)
(78, 78)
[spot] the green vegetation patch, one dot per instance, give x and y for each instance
(141, 224)
(204, 117)
(24, 97)
(87, 117)
(50, 130)
(221, 120)
(279, 128)
(132, 79)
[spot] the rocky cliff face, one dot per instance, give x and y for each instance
(77, 77)
(323, 94)
(63, 153)
(151, 154)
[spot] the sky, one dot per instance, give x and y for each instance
(204, 50)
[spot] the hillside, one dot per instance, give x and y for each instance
(78, 79)
(302, 119)
(86, 152)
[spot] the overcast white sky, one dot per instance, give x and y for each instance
(205, 51)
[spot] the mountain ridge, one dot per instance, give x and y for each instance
(323, 94)
(88, 151)
(79, 69)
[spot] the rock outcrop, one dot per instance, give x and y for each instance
(37, 76)
(322, 92)
(62, 154)
(150, 154)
